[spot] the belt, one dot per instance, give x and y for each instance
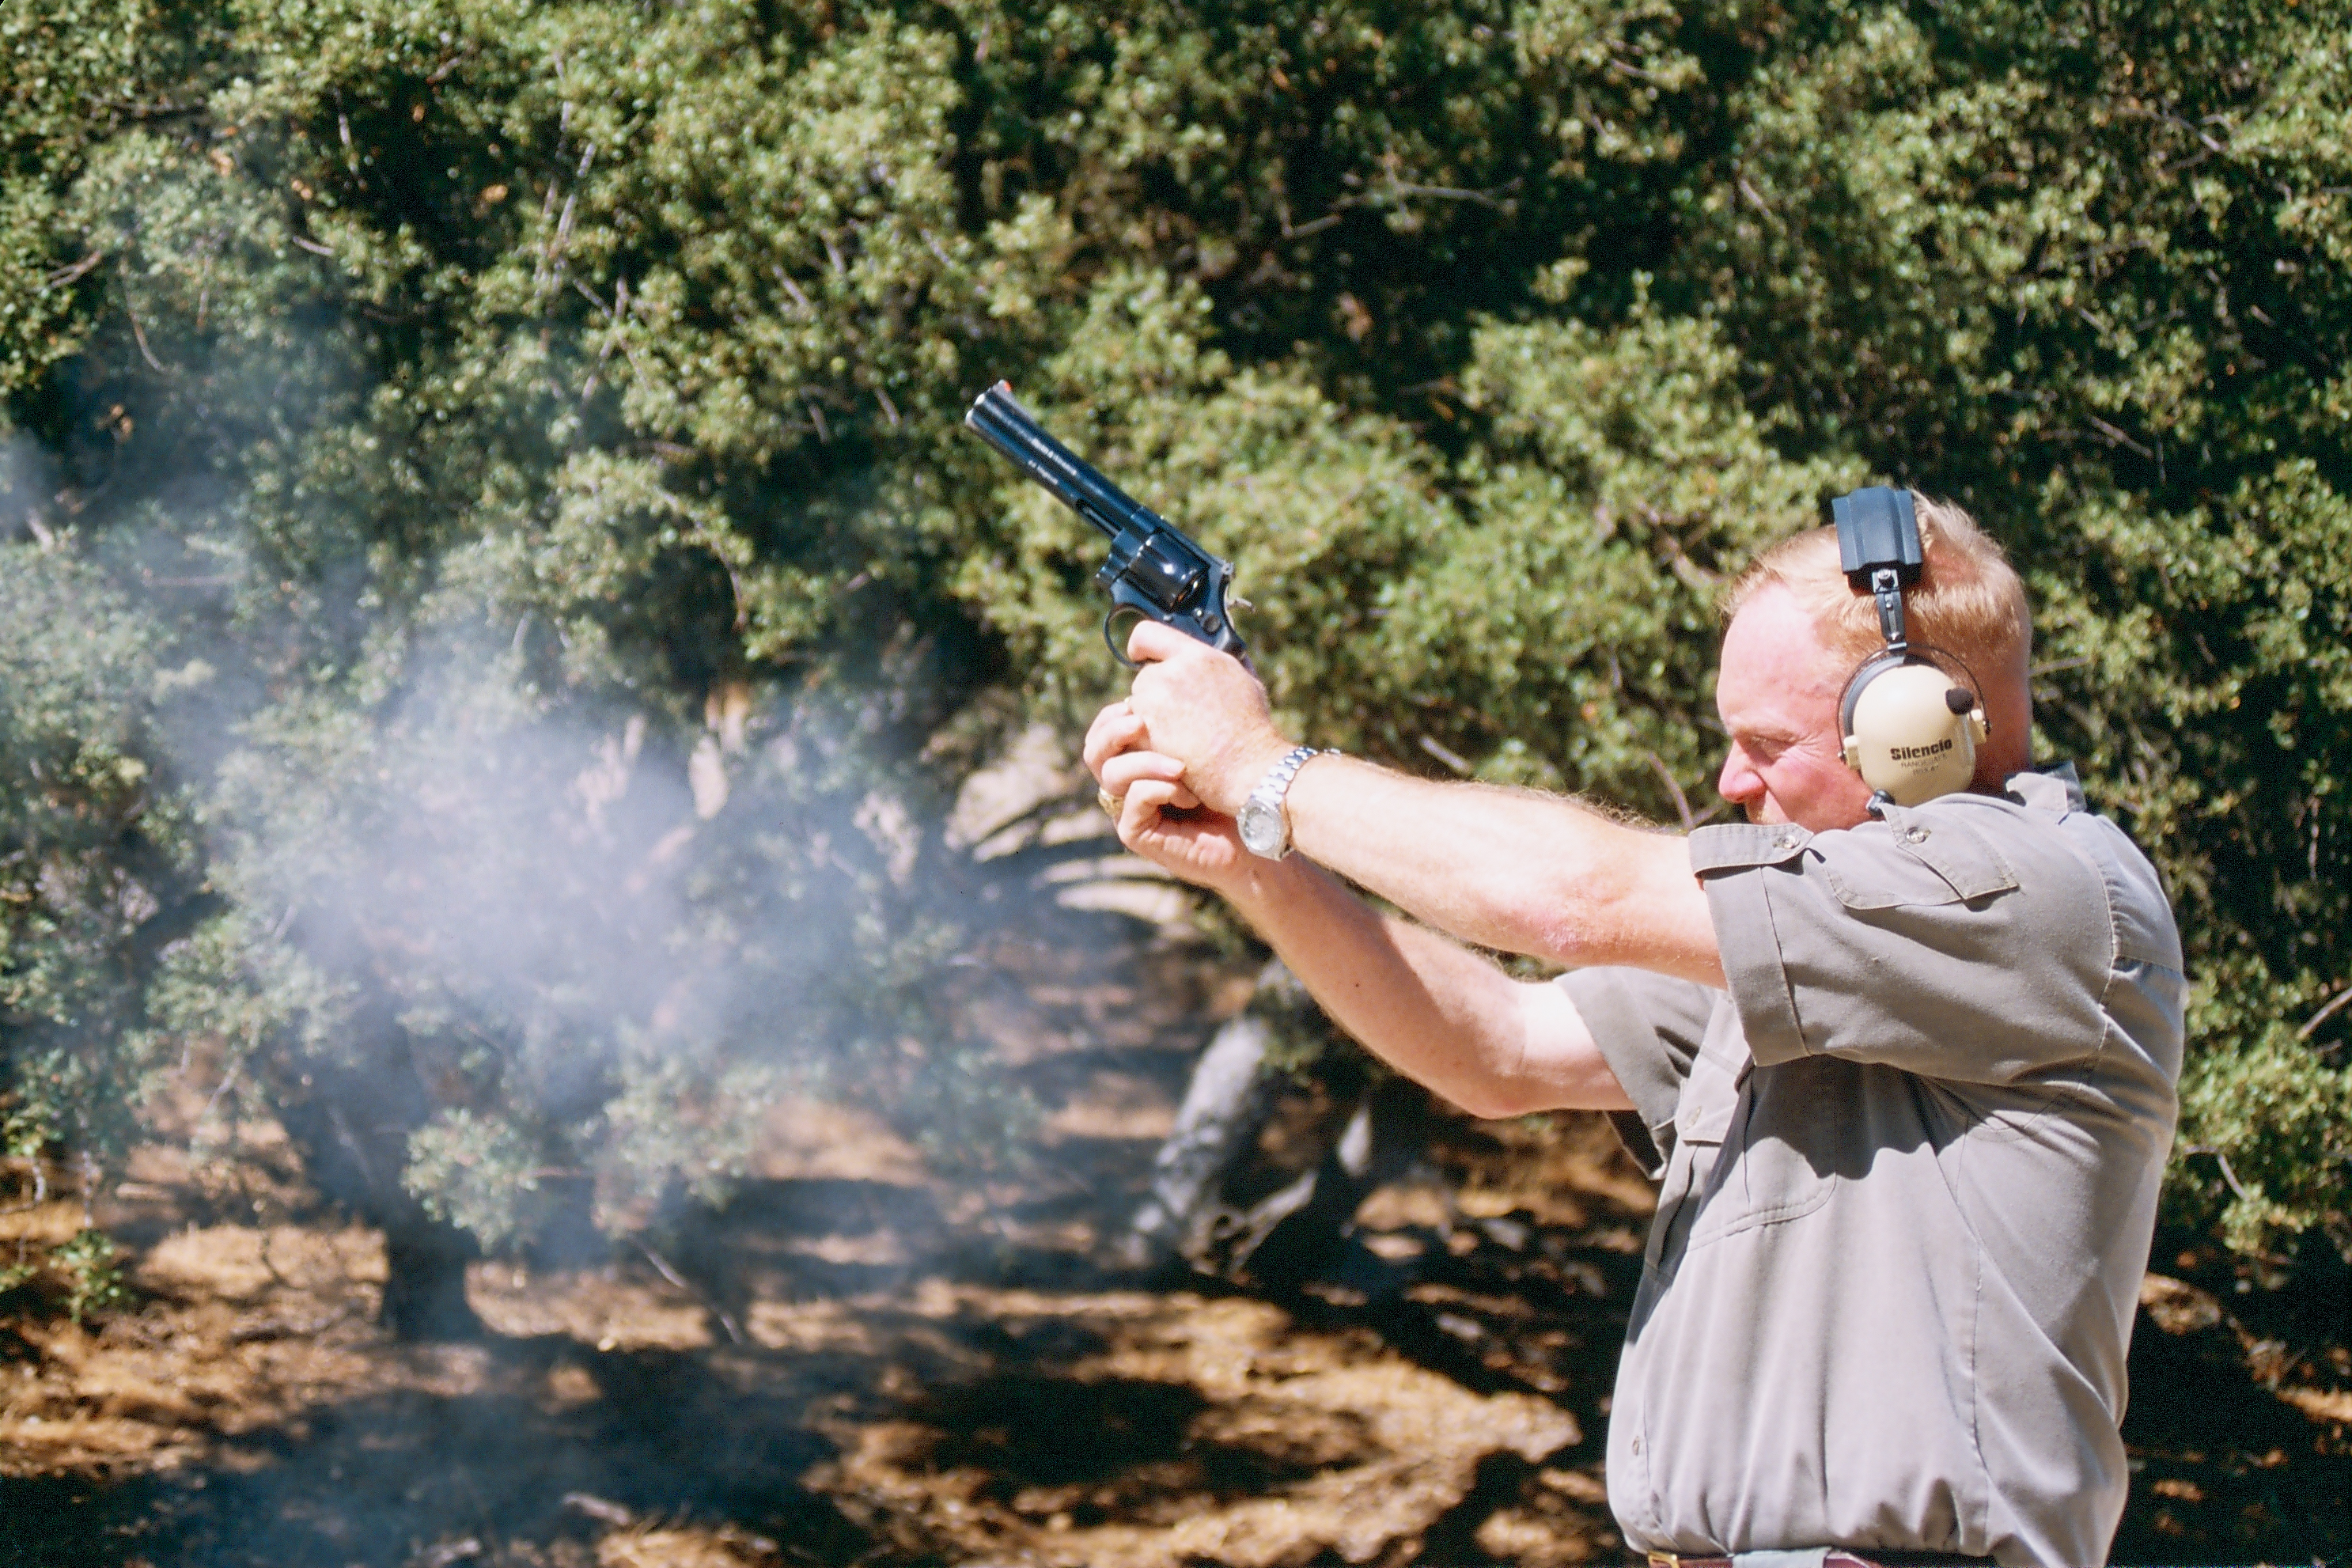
(1838, 1557)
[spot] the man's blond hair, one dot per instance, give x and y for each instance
(1969, 600)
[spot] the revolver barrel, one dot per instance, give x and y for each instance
(1004, 425)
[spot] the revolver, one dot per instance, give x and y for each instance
(1154, 571)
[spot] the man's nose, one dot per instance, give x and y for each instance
(1738, 783)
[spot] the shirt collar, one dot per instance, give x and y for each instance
(2053, 788)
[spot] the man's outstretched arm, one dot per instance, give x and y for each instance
(1509, 869)
(1438, 1013)
(1441, 1014)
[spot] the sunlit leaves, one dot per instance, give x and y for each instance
(624, 348)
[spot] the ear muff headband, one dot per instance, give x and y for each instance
(1878, 551)
(1957, 677)
(1907, 728)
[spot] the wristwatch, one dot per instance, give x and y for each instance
(1265, 825)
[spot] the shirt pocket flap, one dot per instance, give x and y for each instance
(1709, 1098)
(1939, 862)
(1704, 1123)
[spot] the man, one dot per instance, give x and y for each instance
(1905, 1074)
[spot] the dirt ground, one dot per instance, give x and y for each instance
(863, 1367)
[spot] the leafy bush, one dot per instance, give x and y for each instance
(425, 412)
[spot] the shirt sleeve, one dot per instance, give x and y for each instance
(1648, 1027)
(1962, 941)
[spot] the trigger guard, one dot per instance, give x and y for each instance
(1118, 650)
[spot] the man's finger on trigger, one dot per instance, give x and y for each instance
(1150, 642)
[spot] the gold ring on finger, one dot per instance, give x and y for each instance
(1110, 803)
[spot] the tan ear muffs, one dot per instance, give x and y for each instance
(1910, 730)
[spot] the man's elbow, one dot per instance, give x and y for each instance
(1494, 1099)
(1575, 923)
(1620, 910)
(1541, 912)
(1534, 1086)
(1573, 903)
(1593, 1088)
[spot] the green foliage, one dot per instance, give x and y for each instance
(99, 850)
(2274, 1132)
(442, 397)
(80, 1276)
(432, 409)
(92, 1278)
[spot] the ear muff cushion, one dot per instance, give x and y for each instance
(1901, 734)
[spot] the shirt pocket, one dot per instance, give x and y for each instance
(1775, 1163)
(1710, 1098)
(1921, 861)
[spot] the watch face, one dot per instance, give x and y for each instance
(1260, 828)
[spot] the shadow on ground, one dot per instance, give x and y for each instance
(854, 1365)
(396, 1478)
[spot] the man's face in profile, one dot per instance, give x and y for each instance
(1777, 695)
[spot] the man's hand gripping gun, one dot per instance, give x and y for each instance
(1154, 571)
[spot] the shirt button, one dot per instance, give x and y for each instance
(1637, 1444)
(1916, 835)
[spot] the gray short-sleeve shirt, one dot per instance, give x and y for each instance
(1908, 1171)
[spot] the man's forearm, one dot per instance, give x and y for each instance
(1509, 869)
(1437, 1013)
(1503, 868)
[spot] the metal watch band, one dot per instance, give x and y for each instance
(1275, 788)
(1276, 782)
